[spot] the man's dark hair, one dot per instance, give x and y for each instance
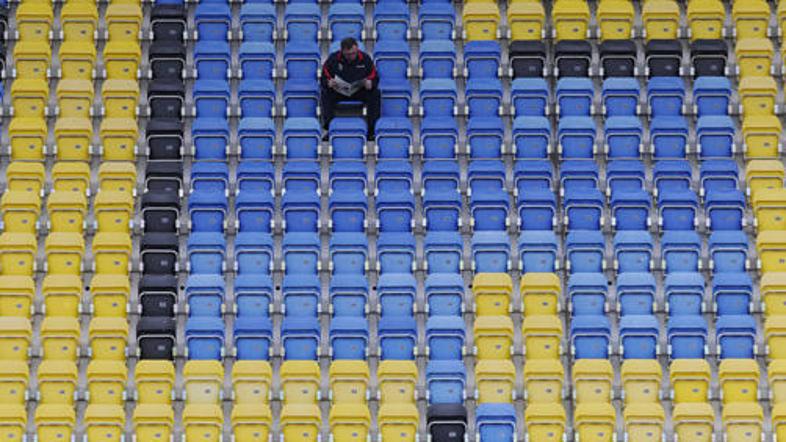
(348, 43)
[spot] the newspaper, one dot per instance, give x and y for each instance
(347, 89)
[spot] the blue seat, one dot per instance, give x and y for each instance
(575, 97)
(438, 97)
(624, 176)
(672, 176)
(393, 138)
(483, 97)
(301, 212)
(205, 295)
(665, 96)
(482, 59)
(530, 97)
(620, 96)
(623, 137)
(213, 21)
(633, 251)
(301, 253)
(349, 338)
(258, 22)
(531, 137)
(444, 294)
(732, 293)
(212, 59)
(257, 60)
(436, 21)
(630, 210)
(253, 295)
(348, 253)
(210, 137)
(205, 338)
(211, 98)
(584, 209)
(393, 176)
(684, 293)
(446, 382)
(206, 252)
(711, 95)
(491, 251)
(209, 176)
(301, 98)
(639, 335)
(587, 293)
(395, 211)
(590, 337)
(346, 20)
(348, 210)
(728, 251)
(440, 176)
(392, 58)
(256, 138)
(576, 137)
(486, 176)
(715, 136)
(437, 59)
(725, 210)
(531, 175)
(585, 251)
(302, 59)
(397, 338)
(396, 294)
(347, 136)
(257, 98)
(443, 252)
(301, 138)
(396, 97)
(300, 338)
(302, 22)
(207, 212)
(391, 21)
(538, 251)
(301, 295)
(253, 338)
(736, 336)
(255, 176)
(687, 337)
(396, 253)
(347, 176)
(578, 175)
(254, 212)
(489, 209)
(302, 177)
(485, 136)
(677, 210)
(253, 253)
(636, 293)
(537, 209)
(718, 175)
(495, 423)
(668, 137)
(445, 338)
(348, 295)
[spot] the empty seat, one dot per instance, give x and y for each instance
(153, 421)
(706, 20)
(480, 21)
(544, 380)
(661, 20)
(545, 422)
(693, 420)
(398, 421)
(595, 420)
(494, 381)
(495, 422)
(542, 337)
(446, 422)
(641, 381)
(446, 382)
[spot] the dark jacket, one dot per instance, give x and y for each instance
(351, 71)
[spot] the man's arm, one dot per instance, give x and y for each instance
(328, 71)
(373, 75)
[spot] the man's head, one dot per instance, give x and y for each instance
(349, 48)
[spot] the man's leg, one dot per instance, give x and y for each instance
(371, 101)
(328, 107)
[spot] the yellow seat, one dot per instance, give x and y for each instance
(26, 177)
(492, 293)
(751, 18)
(17, 253)
(109, 295)
(398, 422)
(64, 253)
(761, 137)
(300, 422)
(781, 16)
(106, 382)
(396, 382)
(543, 381)
(743, 422)
(34, 21)
(121, 60)
(526, 21)
(540, 293)
(55, 422)
(155, 382)
(595, 422)
(73, 139)
(661, 19)
(123, 21)
(71, 176)
(251, 382)
(644, 422)
(349, 382)
(779, 422)
(693, 422)
(570, 19)
(771, 249)
(493, 337)
(349, 422)
(481, 21)
(105, 422)
(120, 98)
(545, 422)
(13, 422)
(57, 382)
(300, 382)
(62, 295)
(60, 338)
(16, 296)
(15, 336)
(690, 380)
(112, 253)
(31, 59)
(754, 57)
(763, 174)
(592, 381)
(775, 336)
(768, 209)
(117, 177)
(20, 211)
(495, 381)
(67, 212)
(114, 212)
(542, 337)
(203, 422)
(28, 139)
(615, 19)
(77, 61)
(108, 338)
(776, 374)
(29, 97)
(251, 422)
(75, 98)
(739, 380)
(78, 21)
(14, 383)
(757, 95)
(153, 422)
(641, 381)
(118, 139)
(706, 19)
(204, 381)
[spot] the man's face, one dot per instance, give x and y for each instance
(351, 53)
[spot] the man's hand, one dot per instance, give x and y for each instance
(368, 83)
(332, 83)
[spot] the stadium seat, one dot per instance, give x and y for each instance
(494, 381)
(542, 337)
(480, 21)
(644, 421)
(571, 20)
(706, 20)
(54, 421)
(250, 421)
(446, 420)
(153, 421)
(693, 420)
(545, 422)
(661, 20)
(587, 294)
(754, 57)
(396, 382)
(618, 59)
(595, 420)
(398, 421)
(496, 422)
(526, 21)
(57, 382)
(751, 20)
(543, 382)
(641, 381)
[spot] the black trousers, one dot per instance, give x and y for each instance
(369, 98)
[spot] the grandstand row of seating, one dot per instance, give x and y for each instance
(569, 224)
